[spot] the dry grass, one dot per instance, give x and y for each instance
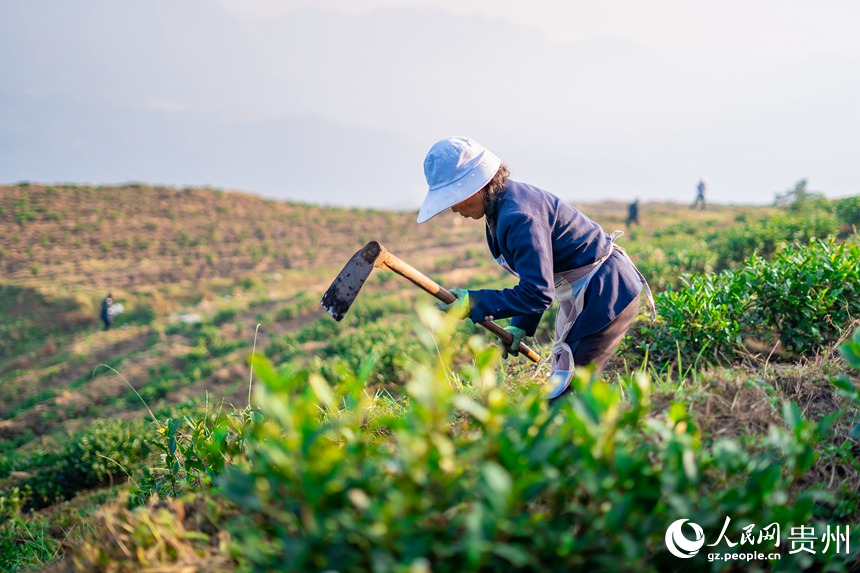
(166, 537)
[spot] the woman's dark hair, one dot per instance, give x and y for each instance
(490, 193)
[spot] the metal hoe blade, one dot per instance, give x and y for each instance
(342, 292)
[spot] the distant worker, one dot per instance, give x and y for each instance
(553, 249)
(700, 196)
(633, 213)
(106, 313)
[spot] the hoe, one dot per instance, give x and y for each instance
(342, 292)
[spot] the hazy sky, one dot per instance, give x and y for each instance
(337, 101)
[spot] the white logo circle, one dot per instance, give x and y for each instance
(678, 544)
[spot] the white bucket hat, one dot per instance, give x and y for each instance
(456, 168)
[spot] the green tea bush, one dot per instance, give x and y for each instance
(383, 339)
(282, 347)
(804, 298)
(848, 211)
(321, 329)
(297, 306)
(764, 237)
(208, 342)
(12, 501)
(7, 465)
(324, 476)
(807, 294)
(139, 313)
(493, 482)
(104, 452)
(224, 316)
(850, 350)
(28, 317)
(194, 449)
(665, 259)
(701, 320)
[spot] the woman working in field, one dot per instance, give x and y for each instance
(554, 250)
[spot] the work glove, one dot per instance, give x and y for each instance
(514, 348)
(460, 308)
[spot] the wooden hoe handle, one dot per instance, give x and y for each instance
(421, 280)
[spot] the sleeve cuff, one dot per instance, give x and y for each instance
(528, 322)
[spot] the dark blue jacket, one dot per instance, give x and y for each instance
(540, 235)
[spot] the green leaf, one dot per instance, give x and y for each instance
(266, 372)
(851, 351)
(792, 414)
(517, 556)
(322, 391)
(367, 367)
(677, 412)
(498, 482)
(473, 408)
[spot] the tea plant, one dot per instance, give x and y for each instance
(489, 482)
(803, 298)
(764, 237)
(194, 449)
(704, 318)
(297, 306)
(850, 350)
(666, 258)
(848, 211)
(108, 450)
(807, 294)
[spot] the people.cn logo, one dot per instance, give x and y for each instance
(679, 545)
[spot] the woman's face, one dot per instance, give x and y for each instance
(471, 208)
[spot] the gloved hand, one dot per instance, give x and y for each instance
(514, 348)
(460, 308)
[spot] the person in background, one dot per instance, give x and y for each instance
(700, 195)
(106, 314)
(553, 249)
(633, 213)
